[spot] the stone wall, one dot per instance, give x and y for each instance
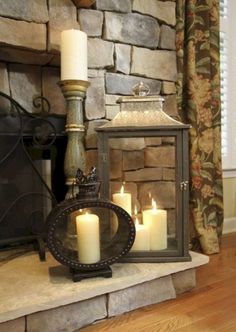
(128, 41)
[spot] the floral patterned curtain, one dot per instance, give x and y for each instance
(197, 42)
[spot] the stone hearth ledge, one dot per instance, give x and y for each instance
(29, 286)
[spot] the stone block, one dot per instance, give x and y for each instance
(168, 174)
(145, 174)
(100, 53)
(115, 164)
(123, 53)
(5, 105)
(141, 295)
(62, 16)
(167, 38)
(133, 160)
(94, 73)
(127, 144)
(162, 156)
(163, 192)
(123, 6)
(51, 90)
(19, 33)
(153, 141)
(25, 85)
(91, 159)
(16, 325)
(69, 317)
(112, 111)
(132, 28)
(12, 54)
(95, 99)
(25, 10)
(123, 84)
(168, 88)
(91, 22)
(155, 64)
(184, 281)
(170, 105)
(112, 99)
(91, 135)
(164, 11)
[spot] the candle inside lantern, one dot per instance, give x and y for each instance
(73, 55)
(123, 199)
(156, 220)
(87, 226)
(142, 237)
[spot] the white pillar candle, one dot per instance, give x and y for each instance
(123, 200)
(156, 220)
(87, 226)
(142, 237)
(74, 55)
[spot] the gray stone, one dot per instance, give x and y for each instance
(155, 64)
(5, 105)
(68, 318)
(184, 281)
(115, 164)
(168, 88)
(168, 174)
(164, 11)
(25, 10)
(123, 58)
(91, 135)
(167, 38)
(19, 33)
(170, 105)
(133, 160)
(162, 156)
(51, 90)
(62, 16)
(112, 111)
(94, 73)
(123, 84)
(147, 293)
(100, 53)
(153, 141)
(91, 159)
(16, 325)
(91, 22)
(114, 5)
(145, 174)
(95, 99)
(112, 99)
(12, 54)
(127, 144)
(163, 192)
(25, 85)
(132, 28)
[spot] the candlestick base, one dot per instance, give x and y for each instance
(80, 275)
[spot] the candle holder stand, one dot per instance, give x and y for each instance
(74, 92)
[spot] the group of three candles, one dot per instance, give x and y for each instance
(151, 235)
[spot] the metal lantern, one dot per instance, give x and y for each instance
(79, 230)
(144, 152)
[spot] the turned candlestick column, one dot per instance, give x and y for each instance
(74, 92)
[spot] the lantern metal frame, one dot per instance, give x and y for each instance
(167, 127)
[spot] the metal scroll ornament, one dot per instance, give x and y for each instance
(81, 230)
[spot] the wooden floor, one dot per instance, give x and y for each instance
(211, 306)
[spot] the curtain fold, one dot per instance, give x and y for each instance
(198, 95)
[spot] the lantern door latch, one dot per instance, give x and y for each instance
(184, 185)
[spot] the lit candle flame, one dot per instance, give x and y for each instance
(154, 204)
(122, 190)
(135, 210)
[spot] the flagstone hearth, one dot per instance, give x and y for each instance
(40, 296)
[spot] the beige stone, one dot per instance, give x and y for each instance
(91, 159)
(133, 160)
(5, 105)
(25, 85)
(127, 143)
(112, 99)
(62, 16)
(95, 99)
(51, 90)
(167, 38)
(15, 325)
(168, 174)
(162, 10)
(112, 111)
(100, 53)
(145, 174)
(168, 88)
(115, 164)
(162, 156)
(153, 141)
(170, 105)
(147, 293)
(154, 63)
(123, 58)
(91, 135)
(184, 281)
(20, 33)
